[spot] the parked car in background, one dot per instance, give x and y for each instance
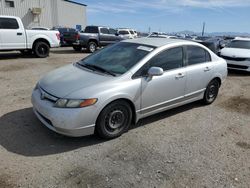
(68, 36)
(156, 35)
(126, 33)
(115, 87)
(13, 36)
(237, 54)
(40, 28)
(214, 44)
(96, 36)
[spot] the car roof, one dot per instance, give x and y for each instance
(158, 42)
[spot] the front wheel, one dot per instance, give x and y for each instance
(211, 92)
(92, 46)
(114, 120)
(41, 49)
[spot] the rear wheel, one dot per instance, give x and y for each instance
(114, 120)
(211, 92)
(41, 49)
(77, 48)
(92, 46)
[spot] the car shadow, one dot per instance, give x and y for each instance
(67, 51)
(22, 133)
(14, 55)
(236, 73)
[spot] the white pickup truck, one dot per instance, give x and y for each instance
(13, 36)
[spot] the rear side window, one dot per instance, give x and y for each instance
(169, 59)
(8, 23)
(104, 31)
(91, 29)
(197, 55)
(123, 32)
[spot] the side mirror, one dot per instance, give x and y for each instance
(155, 71)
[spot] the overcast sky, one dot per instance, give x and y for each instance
(171, 15)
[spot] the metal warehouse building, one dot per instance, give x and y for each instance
(46, 13)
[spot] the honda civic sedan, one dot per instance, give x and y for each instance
(115, 87)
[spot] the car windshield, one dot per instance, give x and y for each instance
(117, 58)
(239, 44)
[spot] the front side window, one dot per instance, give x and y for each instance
(197, 55)
(168, 60)
(104, 31)
(8, 23)
(112, 31)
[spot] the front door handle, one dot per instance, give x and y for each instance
(180, 75)
(207, 69)
(19, 34)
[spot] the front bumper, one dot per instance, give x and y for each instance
(238, 65)
(73, 122)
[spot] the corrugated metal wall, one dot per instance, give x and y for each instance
(54, 13)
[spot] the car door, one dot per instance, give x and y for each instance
(13, 36)
(199, 70)
(104, 36)
(162, 91)
(114, 36)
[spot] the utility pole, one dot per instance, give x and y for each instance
(203, 29)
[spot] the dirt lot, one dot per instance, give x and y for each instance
(191, 146)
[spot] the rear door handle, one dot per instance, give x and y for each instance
(19, 34)
(207, 69)
(180, 75)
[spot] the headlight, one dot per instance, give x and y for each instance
(37, 86)
(74, 103)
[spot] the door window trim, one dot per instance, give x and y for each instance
(164, 71)
(186, 56)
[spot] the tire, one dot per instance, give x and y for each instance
(41, 49)
(211, 92)
(26, 52)
(92, 46)
(114, 120)
(77, 48)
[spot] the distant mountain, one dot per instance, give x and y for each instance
(215, 33)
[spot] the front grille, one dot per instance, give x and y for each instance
(45, 119)
(237, 66)
(234, 58)
(46, 96)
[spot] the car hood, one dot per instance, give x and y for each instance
(235, 52)
(63, 81)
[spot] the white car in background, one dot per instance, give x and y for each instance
(125, 33)
(237, 54)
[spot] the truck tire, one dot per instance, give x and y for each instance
(41, 49)
(77, 48)
(92, 46)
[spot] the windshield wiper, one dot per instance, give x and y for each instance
(95, 67)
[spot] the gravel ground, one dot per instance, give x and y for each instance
(190, 146)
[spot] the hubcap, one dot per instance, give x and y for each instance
(42, 49)
(116, 119)
(92, 47)
(212, 92)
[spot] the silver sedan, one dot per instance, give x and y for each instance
(115, 87)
